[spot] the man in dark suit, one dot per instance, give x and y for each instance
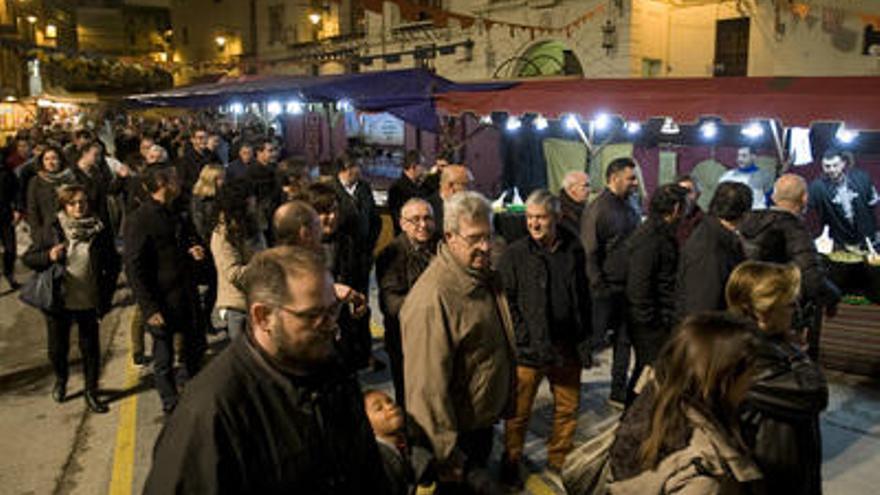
(161, 247)
(358, 216)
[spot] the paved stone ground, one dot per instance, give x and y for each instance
(47, 448)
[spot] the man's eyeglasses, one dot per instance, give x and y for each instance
(417, 220)
(314, 315)
(473, 240)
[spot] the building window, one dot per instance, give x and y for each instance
(276, 24)
(732, 47)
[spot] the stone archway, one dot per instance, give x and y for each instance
(541, 59)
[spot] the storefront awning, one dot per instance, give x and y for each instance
(407, 94)
(796, 101)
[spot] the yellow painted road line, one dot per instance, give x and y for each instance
(123, 454)
(536, 485)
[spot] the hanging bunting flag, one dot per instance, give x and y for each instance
(832, 19)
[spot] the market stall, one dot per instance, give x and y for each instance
(694, 126)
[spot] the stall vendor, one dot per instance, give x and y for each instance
(749, 173)
(844, 198)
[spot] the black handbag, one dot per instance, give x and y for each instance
(43, 290)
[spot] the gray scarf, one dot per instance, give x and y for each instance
(80, 229)
(61, 177)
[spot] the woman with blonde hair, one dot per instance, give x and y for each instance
(781, 414)
(682, 433)
(204, 199)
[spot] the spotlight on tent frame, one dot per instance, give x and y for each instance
(486, 120)
(273, 107)
(753, 131)
(601, 122)
(571, 122)
(513, 123)
(294, 107)
(540, 123)
(236, 108)
(344, 105)
(633, 127)
(669, 127)
(846, 136)
(709, 130)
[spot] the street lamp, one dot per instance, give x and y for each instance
(220, 41)
(315, 18)
(32, 19)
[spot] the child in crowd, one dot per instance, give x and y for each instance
(406, 463)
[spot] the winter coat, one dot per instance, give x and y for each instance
(526, 279)
(103, 258)
(42, 203)
(398, 267)
(699, 461)
(158, 265)
(204, 215)
(244, 426)
(230, 258)
(359, 217)
(458, 339)
(779, 236)
(571, 213)
(9, 194)
(704, 265)
(605, 226)
(651, 278)
(781, 417)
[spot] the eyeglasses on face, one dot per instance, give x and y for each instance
(315, 315)
(475, 239)
(419, 219)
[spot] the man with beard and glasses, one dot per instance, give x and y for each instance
(274, 413)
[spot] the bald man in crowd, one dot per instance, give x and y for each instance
(453, 179)
(780, 235)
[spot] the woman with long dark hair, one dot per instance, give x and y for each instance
(42, 198)
(682, 434)
(84, 245)
(781, 414)
(235, 239)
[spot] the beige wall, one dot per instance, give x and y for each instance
(493, 47)
(684, 39)
(203, 21)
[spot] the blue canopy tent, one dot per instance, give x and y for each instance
(406, 94)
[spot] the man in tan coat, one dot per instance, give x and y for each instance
(458, 343)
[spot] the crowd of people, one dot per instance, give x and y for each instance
(722, 309)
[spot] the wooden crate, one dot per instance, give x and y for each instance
(851, 340)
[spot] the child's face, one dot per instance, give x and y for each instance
(385, 416)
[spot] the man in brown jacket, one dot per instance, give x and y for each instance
(458, 343)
